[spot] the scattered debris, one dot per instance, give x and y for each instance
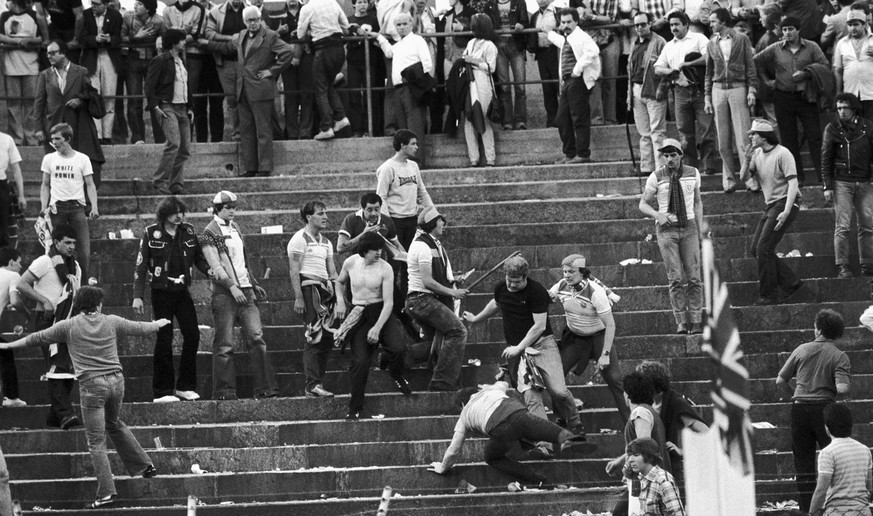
(762, 424)
(227, 502)
(158, 445)
(465, 487)
(474, 362)
(515, 487)
(808, 255)
(787, 504)
(195, 468)
(608, 431)
(794, 253)
(649, 238)
(629, 261)
(378, 416)
(645, 262)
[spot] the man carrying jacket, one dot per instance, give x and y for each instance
(235, 294)
(100, 39)
(168, 253)
(650, 112)
(846, 159)
(730, 87)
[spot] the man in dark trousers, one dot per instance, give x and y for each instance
(822, 374)
(101, 55)
(579, 68)
(168, 253)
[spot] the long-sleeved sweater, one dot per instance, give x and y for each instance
(92, 340)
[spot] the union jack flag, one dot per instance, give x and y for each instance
(730, 383)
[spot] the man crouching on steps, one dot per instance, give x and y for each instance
(493, 413)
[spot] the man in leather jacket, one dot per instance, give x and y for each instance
(168, 253)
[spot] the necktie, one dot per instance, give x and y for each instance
(568, 59)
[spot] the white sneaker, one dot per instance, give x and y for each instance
(13, 402)
(325, 135)
(139, 142)
(339, 125)
(187, 395)
(169, 398)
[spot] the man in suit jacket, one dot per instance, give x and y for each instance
(261, 57)
(100, 39)
(62, 95)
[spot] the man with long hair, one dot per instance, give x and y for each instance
(168, 253)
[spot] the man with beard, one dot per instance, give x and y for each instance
(52, 281)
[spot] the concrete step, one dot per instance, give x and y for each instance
(577, 232)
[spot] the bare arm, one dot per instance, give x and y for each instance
(387, 300)
(695, 425)
(450, 458)
(490, 309)
(434, 286)
(15, 170)
(784, 386)
(295, 261)
(25, 288)
(45, 191)
(818, 496)
(92, 195)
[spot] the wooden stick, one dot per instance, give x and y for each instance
(385, 501)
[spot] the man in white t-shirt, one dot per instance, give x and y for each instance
(675, 188)
(313, 273)
(52, 281)
(10, 164)
(430, 301)
(67, 177)
(10, 266)
(235, 293)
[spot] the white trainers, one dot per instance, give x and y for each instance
(169, 398)
(339, 125)
(13, 402)
(187, 395)
(325, 135)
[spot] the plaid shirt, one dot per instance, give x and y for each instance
(657, 8)
(659, 495)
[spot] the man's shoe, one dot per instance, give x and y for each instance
(763, 301)
(339, 125)
(520, 126)
(266, 395)
(441, 387)
(843, 271)
(14, 402)
(577, 446)
(681, 329)
(169, 398)
(866, 269)
(325, 135)
(149, 472)
(696, 328)
(227, 397)
(578, 159)
(187, 395)
(540, 453)
(69, 422)
(251, 173)
(790, 291)
(353, 415)
(731, 189)
(318, 392)
(106, 501)
(507, 127)
(562, 161)
(139, 142)
(162, 189)
(402, 385)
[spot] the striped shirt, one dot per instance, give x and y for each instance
(848, 462)
(315, 253)
(583, 308)
(659, 495)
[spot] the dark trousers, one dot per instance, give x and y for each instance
(547, 63)
(297, 82)
(411, 115)
(807, 430)
(506, 434)
(59, 390)
(696, 128)
(772, 270)
(358, 100)
(256, 134)
(210, 83)
(136, 72)
(9, 374)
(867, 109)
(574, 118)
(362, 352)
(119, 125)
(791, 108)
(576, 349)
(315, 354)
(167, 304)
(327, 63)
(4, 214)
(194, 64)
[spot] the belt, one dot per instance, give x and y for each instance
(791, 92)
(801, 401)
(418, 294)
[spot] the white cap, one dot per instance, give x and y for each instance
(224, 197)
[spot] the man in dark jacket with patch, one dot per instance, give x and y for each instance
(846, 158)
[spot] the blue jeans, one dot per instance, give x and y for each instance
(73, 213)
(680, 250)
(225, 312)
(177, 130)
(772, 271)
(577, 351)
(505, 436)
(549, 363)
(328, 62)
(446, 332)
(509, 57)
(858, 197)
(101, 398)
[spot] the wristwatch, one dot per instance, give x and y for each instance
(605, 353)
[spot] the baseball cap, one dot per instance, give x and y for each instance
(224, 197)
(759, 125)
(429, 214)
(855, 15)
(671, 145)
